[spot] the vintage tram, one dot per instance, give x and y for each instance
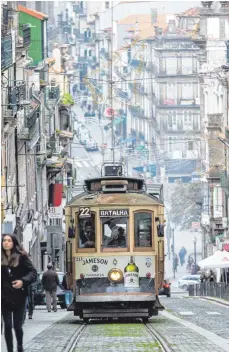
(115, 247)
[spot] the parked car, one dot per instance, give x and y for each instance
(91, 146)
(39, 295)
(188, 280)
(165, 289)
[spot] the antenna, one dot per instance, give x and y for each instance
(111, 89)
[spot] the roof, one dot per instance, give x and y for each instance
(33, 13)
(113, 199)
(192, 12)
(144, 27)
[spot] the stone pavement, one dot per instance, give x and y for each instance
(180, 338)
(204, 314)
(40, 322)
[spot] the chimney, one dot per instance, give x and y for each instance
(172, 26)
(153, 16)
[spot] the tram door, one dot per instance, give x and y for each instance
(161, 258)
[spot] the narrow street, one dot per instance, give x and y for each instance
(133, 98)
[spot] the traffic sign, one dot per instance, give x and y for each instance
(55, 212)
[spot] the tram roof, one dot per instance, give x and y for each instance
(105, 199)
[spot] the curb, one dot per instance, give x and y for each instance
(222, 302)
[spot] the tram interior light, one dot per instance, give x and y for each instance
(115, 275)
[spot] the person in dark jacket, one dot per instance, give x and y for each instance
(18, 273)
(50, 281)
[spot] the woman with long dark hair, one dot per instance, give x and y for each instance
(18, 273)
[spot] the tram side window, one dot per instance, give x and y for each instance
(114, 232)
(143, 229)
(87, 232)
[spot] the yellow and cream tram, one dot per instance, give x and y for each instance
(115, 247)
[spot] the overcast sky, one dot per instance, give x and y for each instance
(174, 6)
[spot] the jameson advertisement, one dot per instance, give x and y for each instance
(132, 267)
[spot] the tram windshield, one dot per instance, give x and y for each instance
(114, 232)
(87, 232)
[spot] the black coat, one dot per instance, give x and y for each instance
(50, 280)
(25, 271)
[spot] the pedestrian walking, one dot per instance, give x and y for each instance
(50, 281)
(30, 302)
(17, 273)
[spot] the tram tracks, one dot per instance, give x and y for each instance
(145, 338)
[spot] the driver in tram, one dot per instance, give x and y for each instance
(117, 238)
(87, 237)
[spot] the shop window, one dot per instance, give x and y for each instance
(114, 232)
(86, 232)
(143, 229)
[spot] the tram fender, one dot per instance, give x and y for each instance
(72, 306)
(158, 305)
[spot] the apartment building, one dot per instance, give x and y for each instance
(212, 38)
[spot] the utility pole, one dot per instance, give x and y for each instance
(173, 251)
(194, 241)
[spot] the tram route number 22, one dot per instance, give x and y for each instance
(84, 212)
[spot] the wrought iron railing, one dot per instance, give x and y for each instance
(210, 289)
(32, 116)
(6, 52)
(53, 93)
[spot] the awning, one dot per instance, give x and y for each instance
(218, 260)
(55, 163)
(65, 134)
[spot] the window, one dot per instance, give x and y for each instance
(86, 227)
(114, 232)
(143, 229)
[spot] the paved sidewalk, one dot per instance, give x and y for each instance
(41, 321)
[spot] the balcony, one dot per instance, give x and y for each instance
(30, 129)
(25, 38)
(135, 63)
(122, 94)
(137, 88)
(224, 181)
(215, 122)
(136, 111)
(177, 103)
(79, 10)
(52, 94)
(14, 97)
(6, 52)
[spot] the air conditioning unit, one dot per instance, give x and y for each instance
(9, 223)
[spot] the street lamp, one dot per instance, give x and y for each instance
(194, 242)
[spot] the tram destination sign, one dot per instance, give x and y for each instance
(112, 213)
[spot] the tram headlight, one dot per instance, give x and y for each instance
(115, 275)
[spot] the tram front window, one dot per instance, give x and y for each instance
(114, 232)
(143, 229)
(87, 232)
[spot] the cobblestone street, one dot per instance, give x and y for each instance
(200, 312)
(187, 325)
